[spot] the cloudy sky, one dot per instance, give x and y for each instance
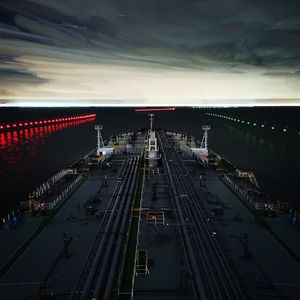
(149, 52)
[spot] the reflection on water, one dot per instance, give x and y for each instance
(274, 157)
(33, 154)
(257, 142)
(252, 139)
(33, 135)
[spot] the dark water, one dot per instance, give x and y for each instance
(28, 158)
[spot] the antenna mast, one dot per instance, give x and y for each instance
(151, 121)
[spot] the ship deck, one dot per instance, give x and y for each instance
(61, 259)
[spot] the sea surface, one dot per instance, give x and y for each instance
(28, 158)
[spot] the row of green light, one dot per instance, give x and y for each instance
(235, 119)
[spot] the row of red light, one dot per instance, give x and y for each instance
(18, 125)
(154, 109)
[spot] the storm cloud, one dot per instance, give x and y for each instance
(158, 52)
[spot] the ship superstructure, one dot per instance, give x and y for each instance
(152, 150)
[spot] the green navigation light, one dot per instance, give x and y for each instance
(254, 124)
(284, 130)
(262, 125)
(248, 122)
(272, 127)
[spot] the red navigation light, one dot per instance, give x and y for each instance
(47, 121)
(154, 109)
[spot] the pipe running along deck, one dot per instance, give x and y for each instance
(103, 264)
(210, 274)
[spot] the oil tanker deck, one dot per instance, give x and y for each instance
(151, 217)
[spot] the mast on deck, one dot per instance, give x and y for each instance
(151, 121)
(204, 145)
(100, 143)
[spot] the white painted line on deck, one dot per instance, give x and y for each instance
(20, 283)
(286, 284)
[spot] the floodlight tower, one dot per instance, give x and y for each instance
(100, 143)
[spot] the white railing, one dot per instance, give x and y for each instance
(46, 186)
(64, 193)
(257, 205)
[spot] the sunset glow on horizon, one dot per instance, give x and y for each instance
(110, 55)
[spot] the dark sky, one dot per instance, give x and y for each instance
(140, 52)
